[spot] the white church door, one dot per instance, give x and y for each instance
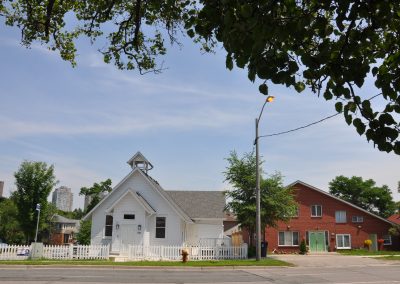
(128, 233)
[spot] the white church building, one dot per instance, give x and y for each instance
(138, 211)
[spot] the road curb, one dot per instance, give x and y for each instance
(115, 267)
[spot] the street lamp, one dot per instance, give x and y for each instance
(269, 99)
(37, 223)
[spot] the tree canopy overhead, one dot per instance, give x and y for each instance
(327, 46)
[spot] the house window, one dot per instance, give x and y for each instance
(160, 227)
(357, 219)
(387, 240)
(129, 216)
(340, 216)
(109, 226)
(316, 210)
(288, 238)
(343, 241)
(66, 238)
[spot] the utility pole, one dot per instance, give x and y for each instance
(37, 223)
(258, 191)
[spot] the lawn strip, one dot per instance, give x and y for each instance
(367, 253)
(210, 263)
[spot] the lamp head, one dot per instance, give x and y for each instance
(270, 99)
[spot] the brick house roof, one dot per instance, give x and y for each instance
(395, 218)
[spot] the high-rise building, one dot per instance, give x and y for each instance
(63, 198)
(1, 188)
(89, 198)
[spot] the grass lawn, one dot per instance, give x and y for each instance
(244, 262)
(392, 257)
(366, 252)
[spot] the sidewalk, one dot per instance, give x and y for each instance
(332, 259)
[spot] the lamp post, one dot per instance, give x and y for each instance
(269, 99)
(37, 223)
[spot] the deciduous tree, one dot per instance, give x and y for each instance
(10, 229)
(277, 201)
(34, 181)
(83, 236)
(364, 193)
(96, 192)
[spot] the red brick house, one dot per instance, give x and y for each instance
(395, 218)
(328, 223)
(64, 230)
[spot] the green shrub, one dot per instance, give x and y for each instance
(303, 247)
(251, 251)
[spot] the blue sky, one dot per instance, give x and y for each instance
(89, 120)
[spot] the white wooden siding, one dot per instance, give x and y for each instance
(138, 183)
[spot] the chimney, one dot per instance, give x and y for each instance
(1, 188)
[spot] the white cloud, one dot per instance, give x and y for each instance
(120, 123)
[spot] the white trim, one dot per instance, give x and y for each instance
(342, 235)
(338, 213)
(157, 188)
(316, 211)
(105, 225)
(358, 219)
(292, 232)
(165, 228)
(390, 240)
(146, 207)
(337, 198)
(138, 154)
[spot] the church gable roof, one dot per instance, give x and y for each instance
(200, 204)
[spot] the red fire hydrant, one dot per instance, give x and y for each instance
(184, 255)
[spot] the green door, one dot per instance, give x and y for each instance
(317, 241)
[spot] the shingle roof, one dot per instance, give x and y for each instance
(395, 218)
(62, 219)
(200, 204)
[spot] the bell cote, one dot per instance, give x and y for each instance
(139, 161)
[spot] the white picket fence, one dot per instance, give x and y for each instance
(194, 252)
(13, 252)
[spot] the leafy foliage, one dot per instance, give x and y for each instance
(327, 46)
(34, 181)
(10, 229)
(96, 192)
(303, 247)
(76, 214)
(277, 201)
(133, 31)
(365, 194)
(83, 236)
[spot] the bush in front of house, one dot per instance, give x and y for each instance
(303, 247)
(251, 252)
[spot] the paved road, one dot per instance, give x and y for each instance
(377, 274)
(332, 268)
